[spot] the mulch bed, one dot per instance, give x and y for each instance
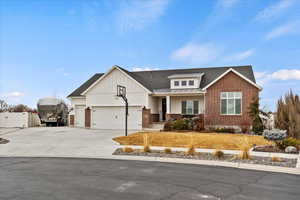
(270, 149)
(3, 141)
(208, 156)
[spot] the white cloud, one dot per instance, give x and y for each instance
(194, 53)
(283, 74)
(13, 94)
(274, 10)
(286, 74)
(143, 69)
(227, 3)
(135, 15)
(286, 29)
(240, 55)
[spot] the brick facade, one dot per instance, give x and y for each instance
(146, 118)
(155, 117)
(229, 83)
(173, 116)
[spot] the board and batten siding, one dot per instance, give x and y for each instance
(77, 101)
(104, 92)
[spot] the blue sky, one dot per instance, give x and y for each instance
(50, 47)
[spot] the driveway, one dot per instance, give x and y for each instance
(85, 179)
(58, 142)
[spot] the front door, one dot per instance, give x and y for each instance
(164, 108)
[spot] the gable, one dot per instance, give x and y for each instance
(109, 82)
(232, 82)
(232, 71)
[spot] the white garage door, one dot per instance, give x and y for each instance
(79, 116)
(114, 117)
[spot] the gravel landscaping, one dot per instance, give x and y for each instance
(284, 162)
(271, 148)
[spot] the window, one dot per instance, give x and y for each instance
(190, 107)
(176, 83)
(231, 103)
(191, 82)
(183, 83)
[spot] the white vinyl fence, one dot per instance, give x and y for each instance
(19, 120)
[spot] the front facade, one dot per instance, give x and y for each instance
(221, 96)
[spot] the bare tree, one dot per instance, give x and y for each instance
(3, 106)
(20, 108)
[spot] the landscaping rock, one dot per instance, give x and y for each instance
(291, 149)
(284, 162)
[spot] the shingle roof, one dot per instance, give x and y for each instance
(158, 79)
(85, 85)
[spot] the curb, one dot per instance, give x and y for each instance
(267, 168)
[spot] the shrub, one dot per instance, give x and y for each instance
(198, 124)
(180, 124)
(289, 142)
(223, 130)
(219, 154)
(245, 155)
(127, 149)
(168, 151)
(168, 126)
(274, 135)
(276, 159)
(288, 114)
(254, 112)
(147, 149)
(191, 151)
(245, 127)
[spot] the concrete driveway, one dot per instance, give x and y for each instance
(58, 142)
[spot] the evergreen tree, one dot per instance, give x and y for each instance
(254, 112)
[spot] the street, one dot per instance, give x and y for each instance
(70, 178)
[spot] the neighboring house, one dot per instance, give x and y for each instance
(220, 95)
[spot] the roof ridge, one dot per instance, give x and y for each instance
(236, 66)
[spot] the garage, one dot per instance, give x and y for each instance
(109, 117)
(79, 115)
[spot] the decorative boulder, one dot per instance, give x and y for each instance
(291, 149)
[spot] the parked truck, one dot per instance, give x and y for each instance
(53, 111)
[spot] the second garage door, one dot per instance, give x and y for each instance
(114, 117)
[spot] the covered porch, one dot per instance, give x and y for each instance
(176, 104)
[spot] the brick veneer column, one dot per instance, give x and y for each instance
(87, 118)
(72, 119)
(146, 118)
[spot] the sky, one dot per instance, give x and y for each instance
(50, 47)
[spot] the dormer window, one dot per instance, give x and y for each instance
(185, 81)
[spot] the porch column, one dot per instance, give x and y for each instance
(168, 102)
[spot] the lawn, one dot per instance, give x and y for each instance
(198, 140)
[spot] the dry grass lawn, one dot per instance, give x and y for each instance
(198, 140)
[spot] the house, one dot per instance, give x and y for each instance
(221, 95)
